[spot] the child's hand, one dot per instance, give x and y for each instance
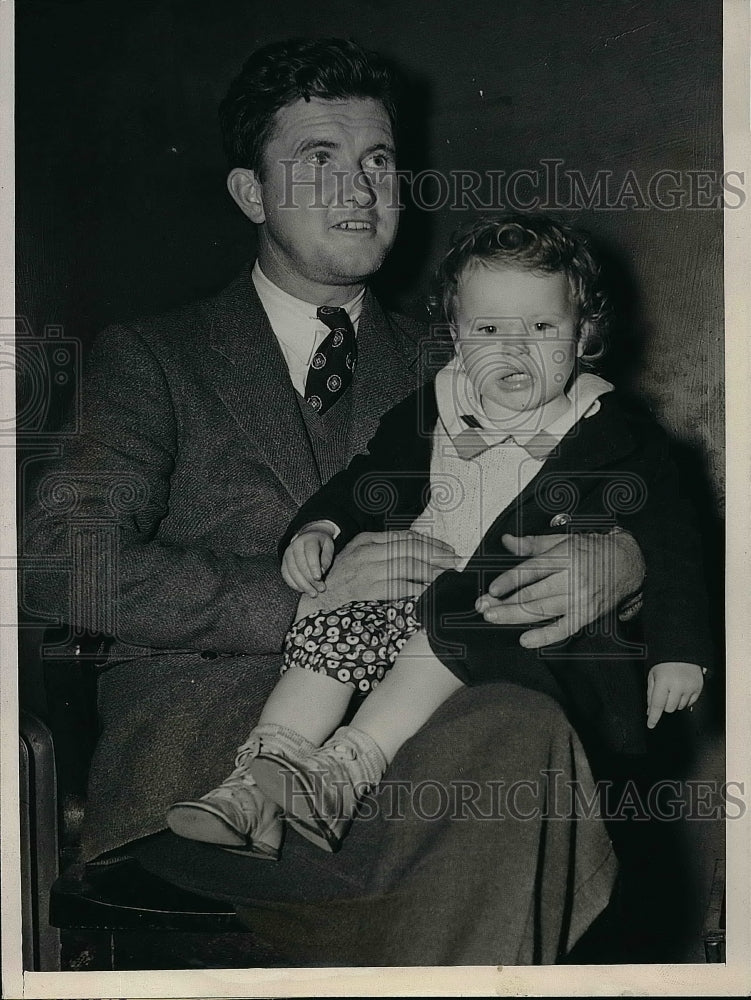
(671, 687)
(309, 555)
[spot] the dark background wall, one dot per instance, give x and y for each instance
(122, 208)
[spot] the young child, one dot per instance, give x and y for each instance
(515, 434)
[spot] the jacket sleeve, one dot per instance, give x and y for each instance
(389, 481)
(91, 555)
(675, 614)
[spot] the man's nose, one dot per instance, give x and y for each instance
(355, 187)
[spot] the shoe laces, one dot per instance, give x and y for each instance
(235, 788)
(248, 750)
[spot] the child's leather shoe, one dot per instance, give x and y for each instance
(236, 815)
(320, 794)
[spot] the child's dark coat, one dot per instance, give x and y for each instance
(611, 469)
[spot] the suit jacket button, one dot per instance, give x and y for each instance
(560, 520)
(209, 654)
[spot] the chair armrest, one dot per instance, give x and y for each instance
(70, 670)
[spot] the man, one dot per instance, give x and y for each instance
(201, 436)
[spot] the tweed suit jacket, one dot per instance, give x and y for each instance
(612, 469)
(159, 525)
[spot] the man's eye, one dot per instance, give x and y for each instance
(377, 161)
(319, 158)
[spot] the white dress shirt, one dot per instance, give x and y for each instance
(295, 324)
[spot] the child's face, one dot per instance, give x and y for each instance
(516, 335)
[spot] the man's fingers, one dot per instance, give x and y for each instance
(524, 611)
(432, 543)
(542, 599)
(546, 635)
(503, 615)
(410, 541)
(528, 573)
(404, 537)
(409, 567)
(682, 703)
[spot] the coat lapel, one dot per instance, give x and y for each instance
(253, 382)
(591, 445)
(386, 371)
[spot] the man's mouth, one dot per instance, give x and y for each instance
(351, 226)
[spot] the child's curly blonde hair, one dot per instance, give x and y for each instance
(535, 243)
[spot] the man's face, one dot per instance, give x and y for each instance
(328, 197)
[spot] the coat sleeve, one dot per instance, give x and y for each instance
(91, 549)
(385, 486)
(675, 614)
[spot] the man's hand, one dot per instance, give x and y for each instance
(574, 579)
(672, 687)
(381, 566)
(307, 557)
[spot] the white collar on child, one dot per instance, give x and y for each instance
(472, 431)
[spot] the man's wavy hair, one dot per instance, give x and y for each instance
(535, 243)
(279, 74)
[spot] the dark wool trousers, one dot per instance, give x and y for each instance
(468, 855)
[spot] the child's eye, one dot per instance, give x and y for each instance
(489, 328)
(542, 326)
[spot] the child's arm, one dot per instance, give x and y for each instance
(308, 556)
(672, 687)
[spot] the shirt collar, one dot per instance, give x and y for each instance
(286, 312)
(472, 432)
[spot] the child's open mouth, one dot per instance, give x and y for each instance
(513, 379)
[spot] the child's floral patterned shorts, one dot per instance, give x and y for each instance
(356, 644)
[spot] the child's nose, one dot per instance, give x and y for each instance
(517, 345)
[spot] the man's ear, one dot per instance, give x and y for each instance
(246, 191)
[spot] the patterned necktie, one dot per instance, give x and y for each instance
(331, 368)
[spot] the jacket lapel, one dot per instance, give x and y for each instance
(386, 370)
(253, 382)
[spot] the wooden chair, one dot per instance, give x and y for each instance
(78, 916)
